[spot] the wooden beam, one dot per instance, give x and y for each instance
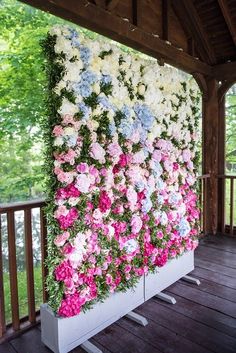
(225, 71)
(101, 3)
(228, 19)
(165, 19)
(112, 4)
(99, 20)
(192, 25)
(134, 12)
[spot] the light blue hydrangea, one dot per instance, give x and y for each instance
(146, 205)
(126, 111)
(140, 185)
(160, 199)
(71, 140)
(85, 110)
(73, 36)
(144, 115)
(157, 169)
(174, 198)
(112, 128)
(106, 79)
(126, 128)
(85, 55)
(104, 101)
(83, 88)
(164, 218)
(160, 184)
(89, 77)
(184, 227)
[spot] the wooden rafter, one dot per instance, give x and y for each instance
(192, 25)
(97, 19)
(135, 12)
(112, 4)
(165, 19)
(225, 71)
(228, 19)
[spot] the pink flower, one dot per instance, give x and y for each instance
(64, 271)
(71, 305)
(161, 260)
(83, 183)
(114, 149)
(61, 239)
(138, 157)
(69, 191)
(68, 119)
(109, 279)
(136, 224)
(104, 201)
(68, 220)
(58, 130)
(124, 160)
(65, 177)
(132, 197)
(97, 152)
(186, 155)
(82, 168)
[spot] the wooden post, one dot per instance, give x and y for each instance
(210, 153)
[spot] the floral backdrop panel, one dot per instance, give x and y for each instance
(122, 137)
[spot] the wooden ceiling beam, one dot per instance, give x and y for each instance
(99, 20)
(228, 19)
(112, 4)
(192, 25)
(225, 71)
(165, 19)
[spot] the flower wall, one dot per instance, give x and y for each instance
(122, 137)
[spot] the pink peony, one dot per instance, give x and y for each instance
(186, 155)
(82, 168)
(71, 305)
(64, 271)
(97, 152)
(104, 202)
(124, 160)
(68, 220)
(161, 260)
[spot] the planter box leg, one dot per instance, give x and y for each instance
(191, 280)
(166, 298)
(90, 348)
(141, 320)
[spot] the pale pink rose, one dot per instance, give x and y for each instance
(114, 149)
(136, 224)
(186, 155)
(61, 239)
(66, 177)
(69, 157)
(93, 171)
(61, 211)
(162, 144)
(97, 214)
(97, 152)
(157, 155)
(138, 157)
(135, 138)
(132, 197)
(58, 130)
(168, 166)
(67, 119)
(83, 183)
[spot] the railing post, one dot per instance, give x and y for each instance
(2, 306)
(231, 206)
(210, 153)
(13, 270)
(43, 251)
(29, 264)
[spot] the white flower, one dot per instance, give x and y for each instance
(83, 183)
(131, 245)
(68, 108)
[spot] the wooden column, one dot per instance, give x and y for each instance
(210, 152)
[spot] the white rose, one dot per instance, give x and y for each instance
(58, 141)
(67, 108)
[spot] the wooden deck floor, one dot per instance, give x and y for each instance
(202, 321)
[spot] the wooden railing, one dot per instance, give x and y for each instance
(227, 184)
(203, 187)
(8, 212)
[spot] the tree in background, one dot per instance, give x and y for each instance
(231, 130)
(21, 99)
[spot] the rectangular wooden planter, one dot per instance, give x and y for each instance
(63, 334)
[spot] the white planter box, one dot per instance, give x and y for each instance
(63, 334)
(168, 274)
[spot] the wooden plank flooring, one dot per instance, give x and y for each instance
(202, 321)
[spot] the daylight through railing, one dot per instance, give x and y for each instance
(22, 270)
(228, 222)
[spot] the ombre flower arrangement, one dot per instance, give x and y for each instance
(123, 136)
